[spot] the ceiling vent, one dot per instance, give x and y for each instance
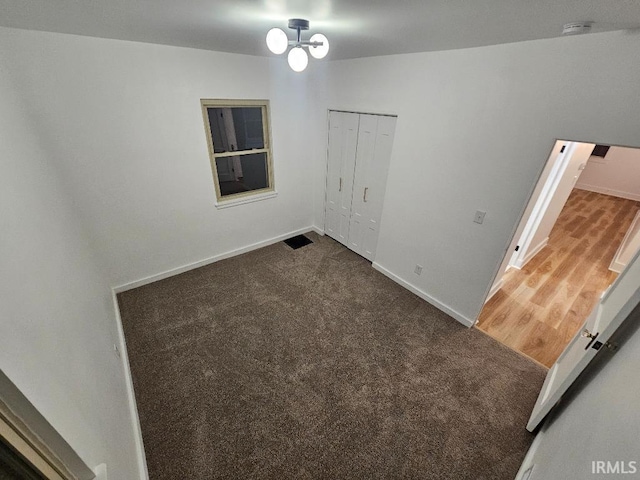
(576, 28)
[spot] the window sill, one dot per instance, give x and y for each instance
(250, 199)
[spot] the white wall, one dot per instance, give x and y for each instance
(475, 128)
(57, 326)
(618, 174)
(105, 181)
(123, 122)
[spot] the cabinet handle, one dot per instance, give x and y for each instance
(364, 197)
(340, 189)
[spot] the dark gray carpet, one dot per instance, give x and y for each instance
(309, 364)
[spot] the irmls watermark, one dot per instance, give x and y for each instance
(618, 467)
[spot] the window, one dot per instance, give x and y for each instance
(239, 148)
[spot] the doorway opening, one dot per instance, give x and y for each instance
(578, 232)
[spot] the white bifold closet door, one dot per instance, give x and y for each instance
(343, 140)
(358, 163)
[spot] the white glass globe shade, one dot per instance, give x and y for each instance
(298, 59)
(277, 41)
(319, 52)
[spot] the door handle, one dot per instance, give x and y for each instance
(340, 188)
(587, 334)
(364, 196)
(591, 336)
(611, 346)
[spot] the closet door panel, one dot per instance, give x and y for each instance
(375, 140)
(332, 214)
(343, 136)
(361, 195)
(377, 183)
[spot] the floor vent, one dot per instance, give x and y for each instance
(298, 241)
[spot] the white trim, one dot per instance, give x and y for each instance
(467, 322)
(207, 261)
(531, 453)
(33, 456)
(143, 471)
(543, 201)
(318, 230)
(360, 112)
(244, 200)
(101, 472)
(616, 264)
(26, 430)
(608, 191)
(494, 289)
(521, 262)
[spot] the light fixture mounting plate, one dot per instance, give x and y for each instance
(298, 23)
(576, 28)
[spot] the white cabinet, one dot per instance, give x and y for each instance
(358, 162)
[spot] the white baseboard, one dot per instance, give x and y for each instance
(318, 230)
(100, 472)
(215, 258)
(520, 263)
(494, 289)
(133, 407)
(608, 191)
(529, 459)
(616, 266)
(467, 322)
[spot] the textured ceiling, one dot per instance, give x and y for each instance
(355, 28)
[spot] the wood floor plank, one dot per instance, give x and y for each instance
(548, 290)
(585, 226)
(542, 343)
(541, 307)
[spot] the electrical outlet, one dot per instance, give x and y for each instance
(418, 270)
(479, 218)
(116, 350)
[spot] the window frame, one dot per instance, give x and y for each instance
(251, 195)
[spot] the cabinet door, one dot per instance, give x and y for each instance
(375, 139)
(343, 137)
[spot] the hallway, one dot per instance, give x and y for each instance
(541, 307)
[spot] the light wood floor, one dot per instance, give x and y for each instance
(541, 307)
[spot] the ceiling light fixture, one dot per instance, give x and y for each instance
(278, 43)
